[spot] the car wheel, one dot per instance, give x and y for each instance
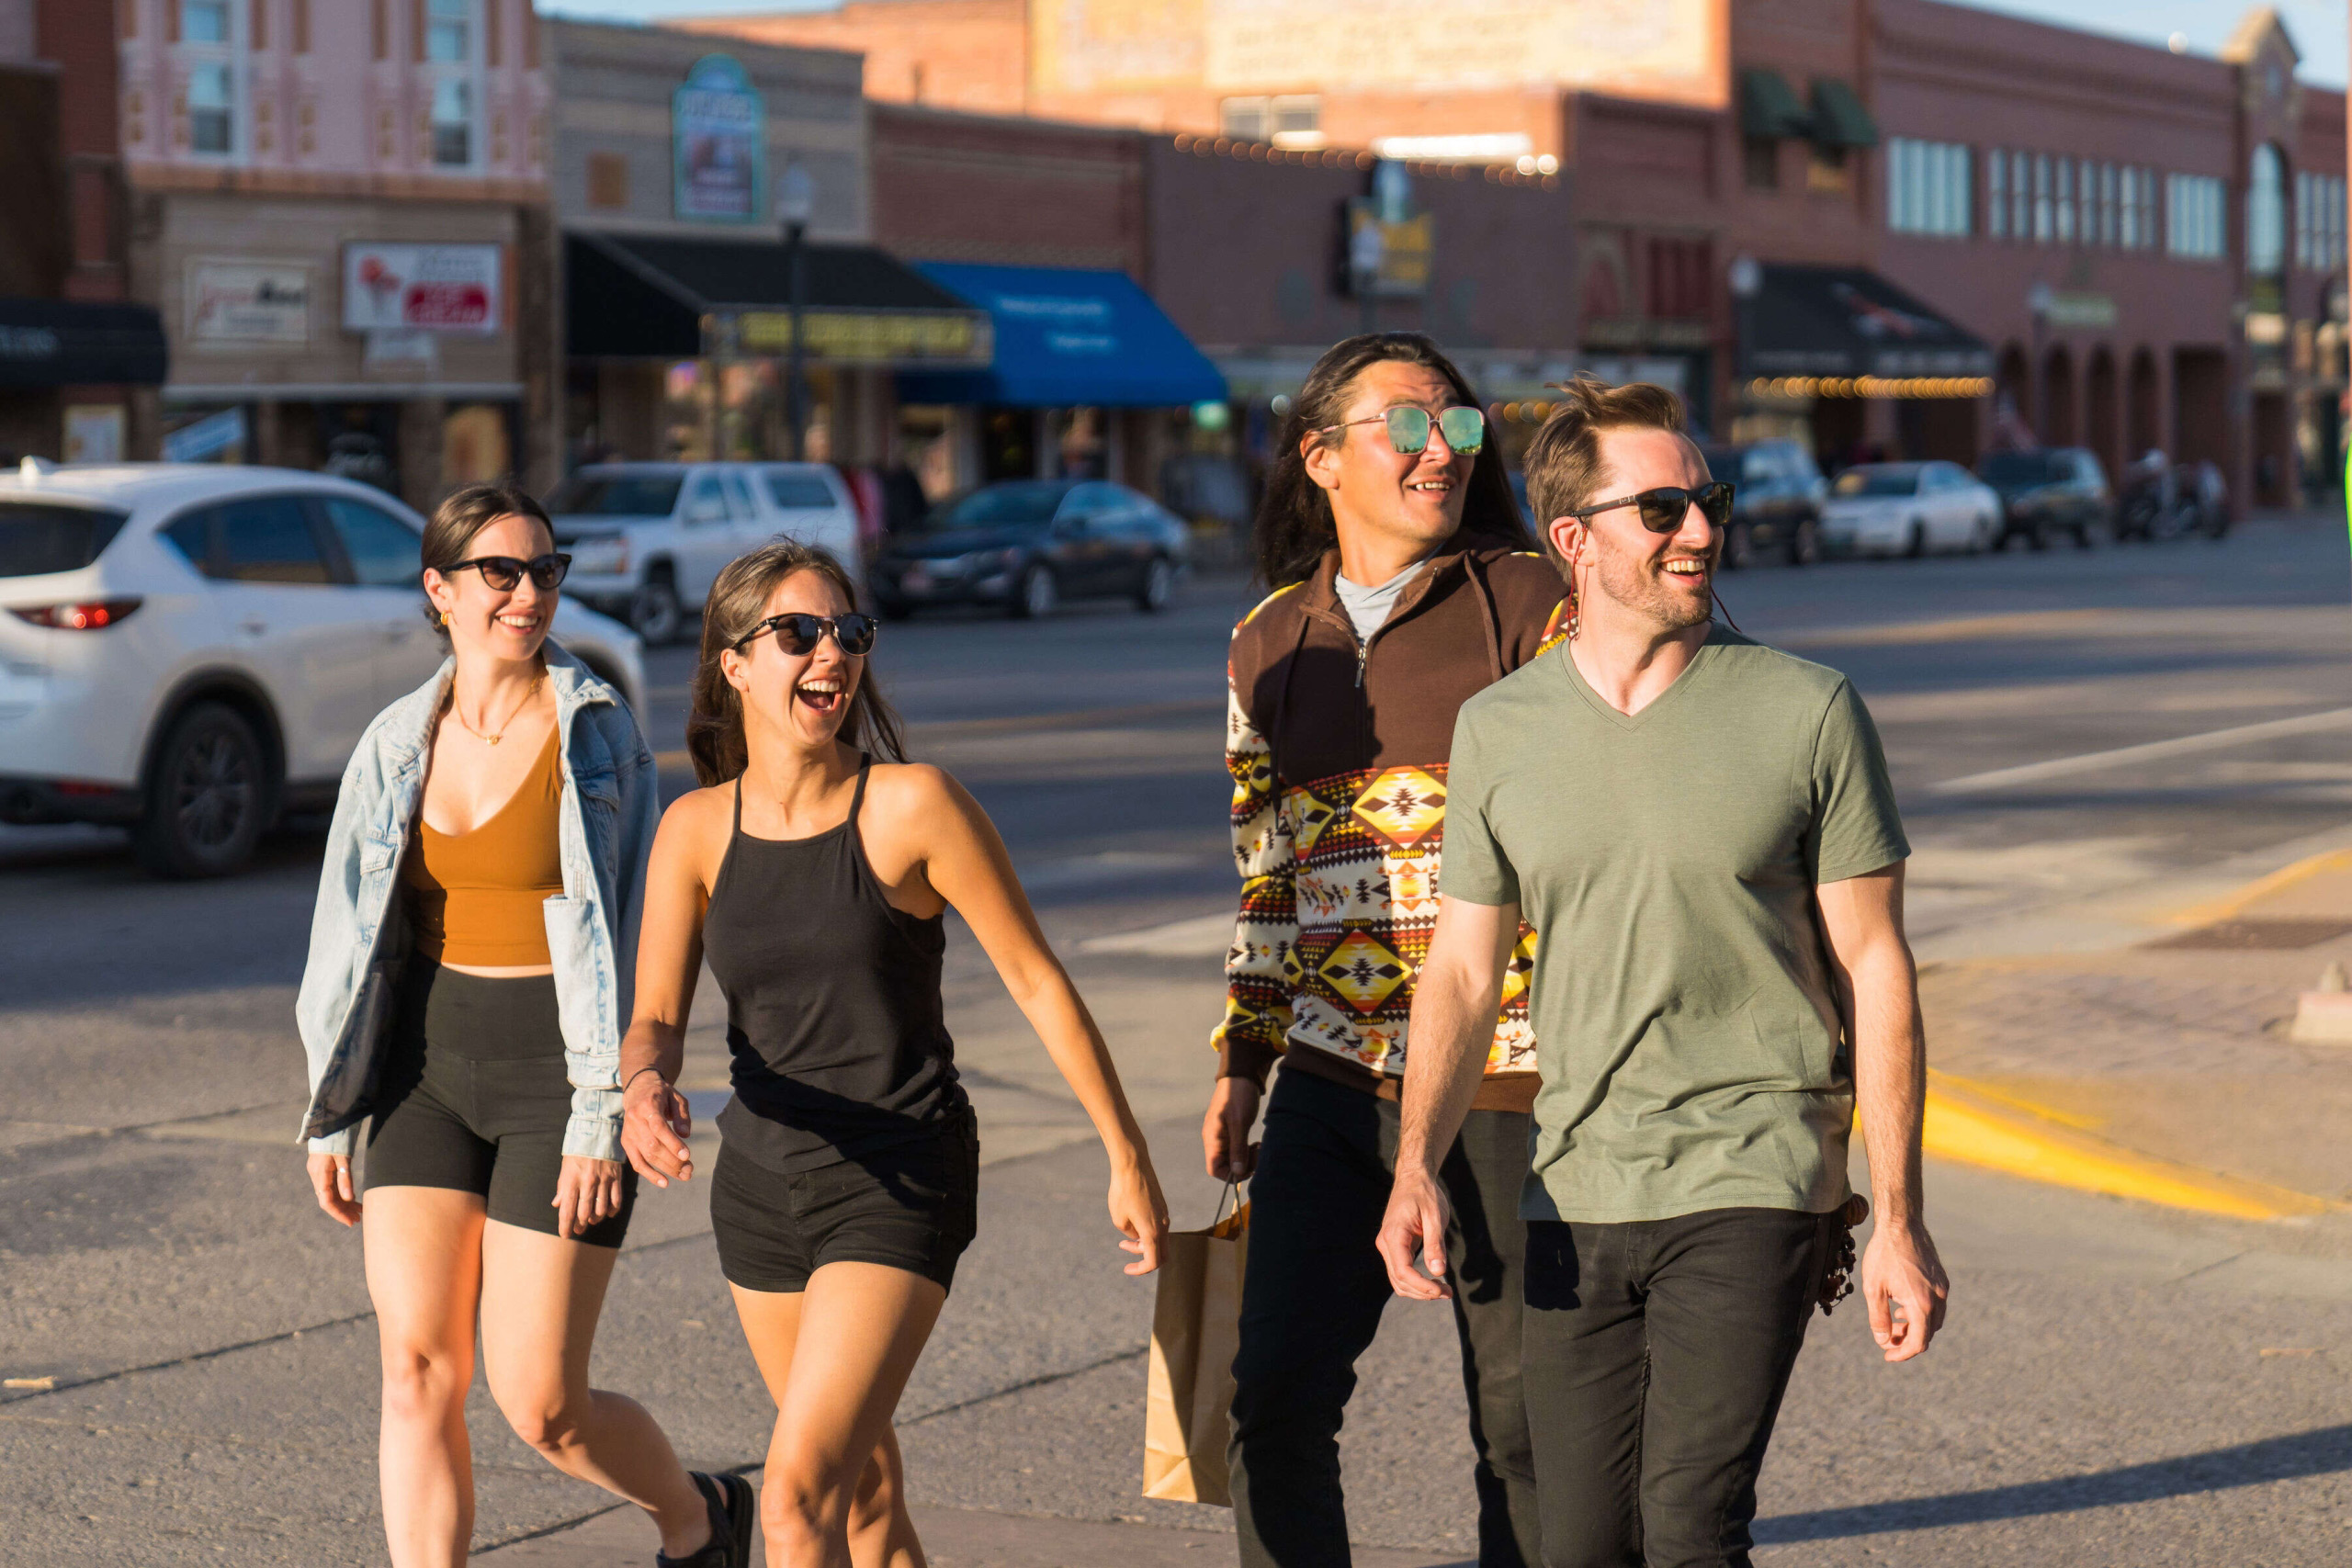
(1916, 545)
(655, 613)
(1805, 542)
(209, 797)
(1739, 552)
(2082, 540)
(1037, 594)
(1158, 585)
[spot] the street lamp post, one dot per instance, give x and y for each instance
(796, 199)
(2036, 303)
(1747, 280)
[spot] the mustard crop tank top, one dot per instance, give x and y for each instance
(475, 899)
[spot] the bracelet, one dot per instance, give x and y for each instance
(640, 1072)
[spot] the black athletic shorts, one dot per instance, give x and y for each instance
(912, 1206)
(474, 1097)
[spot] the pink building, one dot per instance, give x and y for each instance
(340, 206)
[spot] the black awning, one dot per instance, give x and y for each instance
(58, 342)
(1838, 118)
(1769, 106)
(637, 296)
(1848, 320)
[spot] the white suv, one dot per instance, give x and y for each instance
(187, 649)
(648, 540)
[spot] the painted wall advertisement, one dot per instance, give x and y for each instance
(445, 288)
(717, 143)
(237, 302)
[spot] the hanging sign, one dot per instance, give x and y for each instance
(717, 143)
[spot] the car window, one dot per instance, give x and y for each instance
(384, 552)
(192, 534)
(2016, 468)
(268, 538)
(1094, 500)
(2086, 469)
(1011, 503)
(739, 498)
(617, 495)
(706, 501)
(39, 537)
(1892, 480)
(794, 491)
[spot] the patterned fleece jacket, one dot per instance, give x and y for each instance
(1339, 756)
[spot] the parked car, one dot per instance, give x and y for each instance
(1912, 509)
(1027, 544)
(1776, 502)
(648, 539)
(2046, 491)
(189, 649)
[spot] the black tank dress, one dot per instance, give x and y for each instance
(834, 1020)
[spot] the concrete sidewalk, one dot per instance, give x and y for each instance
(957, 1538)
(2137, 1043)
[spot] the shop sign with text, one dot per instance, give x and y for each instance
(718, 130)
(249, 302)
(443, 289)
(872, 337)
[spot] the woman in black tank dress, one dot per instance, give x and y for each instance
(814, 879)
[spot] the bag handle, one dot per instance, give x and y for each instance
(1231, 1193)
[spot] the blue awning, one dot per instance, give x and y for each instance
(1067, 338)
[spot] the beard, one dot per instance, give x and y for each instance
(1637, 583)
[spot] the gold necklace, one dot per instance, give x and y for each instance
(495, 739)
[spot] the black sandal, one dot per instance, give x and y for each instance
(732, 1510)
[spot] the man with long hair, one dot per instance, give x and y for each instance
(1703, 831)
(1404, 581)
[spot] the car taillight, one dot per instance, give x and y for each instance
(92, 616)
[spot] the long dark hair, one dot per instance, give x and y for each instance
(738, 600)
(1295, 526)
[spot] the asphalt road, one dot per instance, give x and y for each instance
(2119, 1386)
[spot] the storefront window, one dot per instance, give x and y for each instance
(204, 21)
(212, 108)
(449, 31)
(453, 122)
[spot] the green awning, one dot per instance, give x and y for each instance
(1838, 118)
(1769, 106)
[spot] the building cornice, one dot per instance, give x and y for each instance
(178, 178)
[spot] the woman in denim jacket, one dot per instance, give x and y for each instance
(464, 999)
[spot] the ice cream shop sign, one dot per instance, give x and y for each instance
(447, 289)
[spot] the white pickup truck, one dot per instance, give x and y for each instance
(648, 540)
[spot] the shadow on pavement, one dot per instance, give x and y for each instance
(2324, 1450)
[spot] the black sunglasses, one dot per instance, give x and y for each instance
(1663, 509)
(505, 572)
(799, 633)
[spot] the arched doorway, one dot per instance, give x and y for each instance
(2142, 407)
(2099, 433)
(2057, 424)
(2012, 400)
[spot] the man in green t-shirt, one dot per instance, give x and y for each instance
(1701, 829)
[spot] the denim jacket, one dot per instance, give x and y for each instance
(359, 933)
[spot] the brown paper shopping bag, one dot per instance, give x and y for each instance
(1196, 1329)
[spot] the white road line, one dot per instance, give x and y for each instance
(2092, 762)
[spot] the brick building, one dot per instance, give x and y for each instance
(2177, 281)
(339, 208)
(71, 351)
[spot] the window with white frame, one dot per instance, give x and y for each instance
(2045, 211)
(1928, 186)
(449, 46)
(208, 40)
(2318, 222)
(2193, 225)
(2105, 174)
(2063, 177)
(2127, 214)
(2021, 195)
(1996, 194)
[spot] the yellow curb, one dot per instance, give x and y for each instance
(2254, 892)
(1980, 1126)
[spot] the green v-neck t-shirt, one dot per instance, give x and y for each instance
(1686, 1024)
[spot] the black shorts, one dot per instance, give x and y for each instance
(912, 1206)
(474, 1097)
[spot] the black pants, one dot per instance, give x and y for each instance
(1656, 1353)
(1311, 1303)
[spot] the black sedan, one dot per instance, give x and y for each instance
(1026, 544)
(2047, 491)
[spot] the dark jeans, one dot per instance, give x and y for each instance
(1311, 1303)
(1656, 1354)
